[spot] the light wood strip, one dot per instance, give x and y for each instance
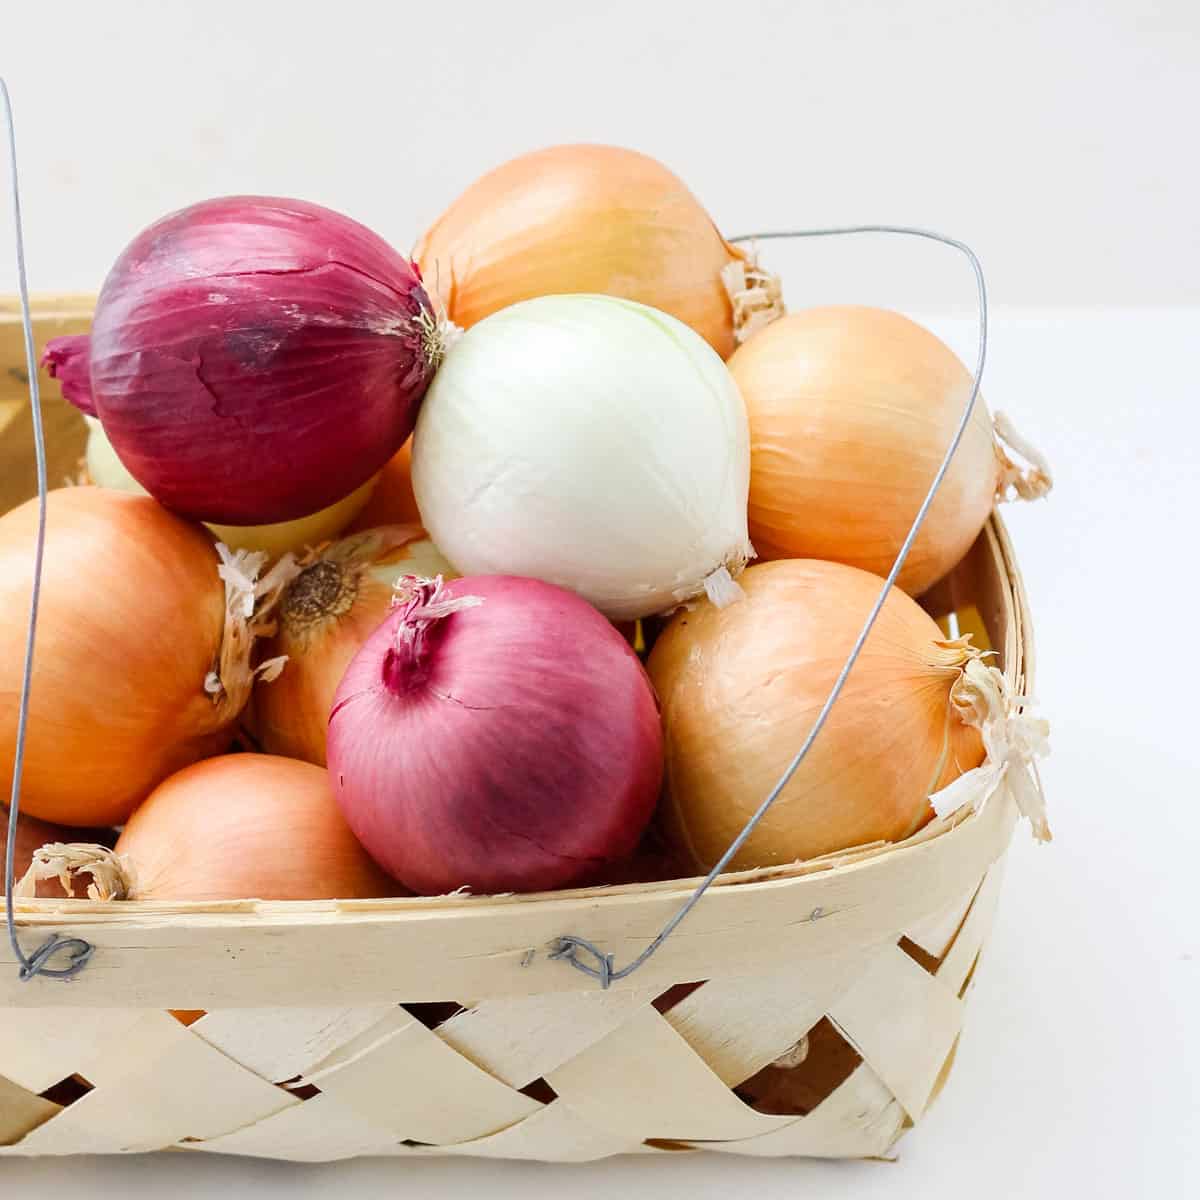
(555, 1134)
(318, 1130)
(417, 1088)
(158, 1085)
(40, 1047)
(978, 924)
(520, 1038)
(903, 1021)
(21, 1112)
(861, 1119)
(740, 1025)
(935, 934)
(282, 1043)
(645, 1081)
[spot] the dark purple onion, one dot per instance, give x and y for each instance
(509, 747)
(253, 359)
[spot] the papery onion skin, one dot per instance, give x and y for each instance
(32, 835)
(255, 359)
(247, 827)
(591, 442)
(741, 687)
(130, 624)
(520, 750)
(325, 615)
(581, 218)
(105, 469)
(851, 411)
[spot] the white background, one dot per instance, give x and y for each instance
(1059, 138)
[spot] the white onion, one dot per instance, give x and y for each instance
(591, 442)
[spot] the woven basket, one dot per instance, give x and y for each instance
(314, 1031)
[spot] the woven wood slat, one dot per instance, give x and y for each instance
(936, 933)
(861, 1119)
(960, 957)
(155, 1087)
(557, 1133)
(282, 1043)
(418, 1088)
(739, 1025)
(41, 1046)
(21, 1111)
(644, 1079)
(322, 1129)
(521, 1038)
(903, 1021)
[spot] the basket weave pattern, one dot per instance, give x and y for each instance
(316, 1084)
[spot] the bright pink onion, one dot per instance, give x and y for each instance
(253, 359)
(497, 734)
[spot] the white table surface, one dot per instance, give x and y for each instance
(1079, 1071)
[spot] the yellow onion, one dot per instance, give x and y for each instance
(851, 411)
(143, 658)
(741, 686)
(236, 827)
(339, 598)
(107, 470)
(392, 502)
(598, 219)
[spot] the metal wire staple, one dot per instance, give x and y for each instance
(77, 950)
(568, 947)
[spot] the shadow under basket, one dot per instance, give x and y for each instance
(807, 1010)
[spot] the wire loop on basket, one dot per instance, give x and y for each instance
(568, 946)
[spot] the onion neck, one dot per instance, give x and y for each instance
(755, 295)
(251, 601)
(1013, 740)
(67, 359)
(1027, 483)
(438, 334)
(423, 604)
(112, 874)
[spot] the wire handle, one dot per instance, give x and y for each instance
(568, 947)
(77, 950)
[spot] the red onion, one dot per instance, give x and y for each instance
(497, 734)
(254, 360)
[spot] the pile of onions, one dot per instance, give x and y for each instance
(324, 616)
(237, 827)
(105, 469)
(143, 662)
(592, 219)
(495, 734)
(740, 688)
(591, 442)
(254, 359)
(851, 411)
